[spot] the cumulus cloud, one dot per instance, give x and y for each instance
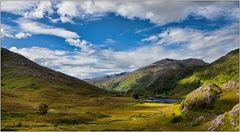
(28, 9)
(159, 12)
(208, 46)
(42, 8)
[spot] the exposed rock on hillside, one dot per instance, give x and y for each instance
(201, 98)
(230, 84)
(227, 121)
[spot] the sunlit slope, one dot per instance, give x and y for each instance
(219, 72)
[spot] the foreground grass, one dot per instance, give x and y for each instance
(74, 112)
(127, 114)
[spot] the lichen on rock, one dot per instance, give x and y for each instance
(227, 121)
(230, 84)
(201, 98)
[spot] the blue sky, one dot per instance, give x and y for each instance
(93, 38)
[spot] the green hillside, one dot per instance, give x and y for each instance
(176, 78)
(72, 104)
(143, 80)
(219, 72)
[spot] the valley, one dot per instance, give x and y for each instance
(74, 104)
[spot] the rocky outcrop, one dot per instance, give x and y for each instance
(201, 98)
(227, 121)
(230, 84)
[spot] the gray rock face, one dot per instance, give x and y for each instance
(201, 98)
(230, 84)
(227, 121)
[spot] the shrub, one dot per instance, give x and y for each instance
(43, 108)
(67, 121)
(19, 124)
(176, 119)
(135, 96)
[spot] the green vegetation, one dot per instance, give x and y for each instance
(76, 105)
(162, 80)
(176, 119)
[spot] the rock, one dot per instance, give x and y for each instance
(201, 98)
(227, 121)
(230, 84)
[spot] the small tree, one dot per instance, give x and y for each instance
(135, 96)
(43, 108)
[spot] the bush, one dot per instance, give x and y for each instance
(43, 109)
(19, 124)
(135, 96)
(176, 119)
(67, 121)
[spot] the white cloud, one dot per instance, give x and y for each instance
(192, 40)
(218, 10)
(10, 32)
(110, 41)
(83, 44)
(208, 46)
(17, 7)
(21, 35)
(28, 9)
(70, 37)
(43, 8)
(38, 28)
(159, 12)
(196, 39)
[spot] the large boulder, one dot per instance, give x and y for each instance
(201, 98)
(227, 121)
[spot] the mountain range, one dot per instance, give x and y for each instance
(170, 77)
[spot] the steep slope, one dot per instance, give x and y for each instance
(214, 105)
(139, 81)
(219, 72)
(24, 80)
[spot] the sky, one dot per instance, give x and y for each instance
(90, 38)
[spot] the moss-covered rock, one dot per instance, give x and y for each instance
(227, 121)
(201, 98)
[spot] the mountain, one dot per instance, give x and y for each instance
(141, 80)
(24, 80)
(105, 78)
(176, 78)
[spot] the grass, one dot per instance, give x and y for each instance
(128, 114)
